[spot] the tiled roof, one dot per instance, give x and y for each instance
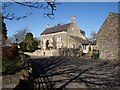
(58, 28)
(92, 43)
(82, 41)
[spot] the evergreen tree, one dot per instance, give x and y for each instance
(28, 38)
(4, 32)
(29, 43)
(82, 32)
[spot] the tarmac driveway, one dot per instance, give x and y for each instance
(68, 72)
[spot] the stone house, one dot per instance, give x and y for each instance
(108, 38)
(66, 35)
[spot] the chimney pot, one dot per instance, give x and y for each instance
(47, 25)
(73, 19)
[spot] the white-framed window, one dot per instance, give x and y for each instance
(51, 39)
(57, 39)
(60, 38)
(84, 47)
(44, 41)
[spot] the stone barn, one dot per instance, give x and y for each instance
(108, 38)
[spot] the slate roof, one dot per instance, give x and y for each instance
(82, 41)
(58, 28)
(92, 43)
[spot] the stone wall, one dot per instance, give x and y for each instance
(107, 37)
(10, 81)
(55, 35)
(74, 42)
(75, 31)
(52, 52)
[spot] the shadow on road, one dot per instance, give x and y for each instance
(62, 73)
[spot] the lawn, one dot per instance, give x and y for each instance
(8, 65)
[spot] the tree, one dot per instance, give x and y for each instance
(4, 32)
(49, 6)
(29, 43)
(35, 44)
(19, 36)
(28, 38)
(93, 36)
(82, 32)
(23, 46)
(37, 39)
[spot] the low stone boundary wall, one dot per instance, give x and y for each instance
(52, 52)
(9, 81)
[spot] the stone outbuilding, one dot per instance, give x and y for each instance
(108, 38)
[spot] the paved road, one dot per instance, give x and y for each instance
(78, 72)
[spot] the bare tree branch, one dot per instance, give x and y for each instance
(51, 6)
(13, 17)
(36, 5)
(6, 5)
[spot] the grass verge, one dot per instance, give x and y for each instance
(8, 65)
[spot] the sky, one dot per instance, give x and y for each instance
(89, 16)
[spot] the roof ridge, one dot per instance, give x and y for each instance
(58, 28)
(59, 25)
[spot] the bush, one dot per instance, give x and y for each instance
(10, 52)
(70, 52)
(23, 47)
(95, 54)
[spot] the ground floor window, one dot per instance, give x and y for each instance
(84, 47)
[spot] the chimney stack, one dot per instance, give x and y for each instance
(73, 19)
(47, 25)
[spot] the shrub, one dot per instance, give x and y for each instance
(10, 52)
(70, 52)
(23, 47)
(95, 54)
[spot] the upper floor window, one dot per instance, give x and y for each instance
(51, 39)
(59, 39)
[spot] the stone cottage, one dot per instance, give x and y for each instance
(66, 35)
(108, 38)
